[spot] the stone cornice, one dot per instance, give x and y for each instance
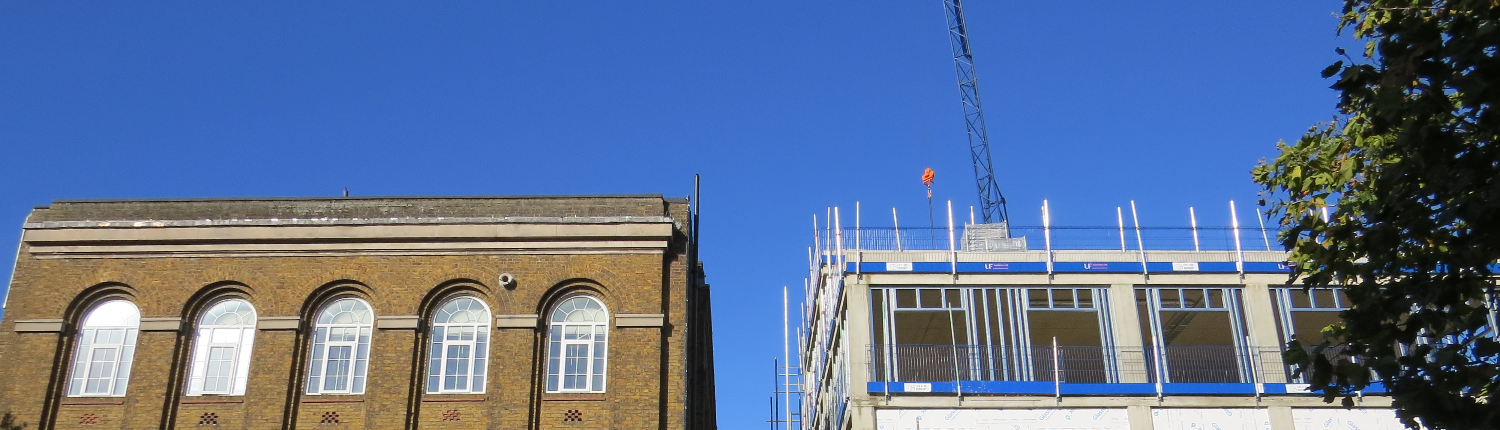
(83, 239)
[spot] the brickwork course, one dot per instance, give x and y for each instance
(403, 255)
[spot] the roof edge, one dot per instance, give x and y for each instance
(336, 198)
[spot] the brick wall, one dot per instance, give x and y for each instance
(647, 372)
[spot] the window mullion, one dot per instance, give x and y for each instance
(443, 348)
(468, 375)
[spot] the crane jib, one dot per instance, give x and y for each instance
(991, 201)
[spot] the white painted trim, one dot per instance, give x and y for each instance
(278, 323)
(39, 326)
(640, 320)
(161, 324)
(516, 321)
(407, 322)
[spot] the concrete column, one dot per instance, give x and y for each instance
(1140, 417)
(1260, 325)
(1281, 418)
(857, 326)
(1125, 323)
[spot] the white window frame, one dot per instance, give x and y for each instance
(109, 315)
(478, 358)
(356, 373)
(596, 361)
(239, 349)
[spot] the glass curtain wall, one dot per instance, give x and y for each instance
(991, 333)
(1301, 314)
(1195, 333)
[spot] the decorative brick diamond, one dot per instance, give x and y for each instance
(89, 419)
(330, 418)
(208, 419)
(573, 415)
(451, 415)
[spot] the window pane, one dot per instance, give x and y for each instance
(575, 366)
(338, 368)
(1062, 298)
(1169, 298)
(931, 298)
(220, 364)
(226, 335)
(1193, 298)
(1085, 298)
(456, 375)
(906, 298)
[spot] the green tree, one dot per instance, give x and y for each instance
(1410, 170)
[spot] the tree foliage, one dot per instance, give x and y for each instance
(1410, 174)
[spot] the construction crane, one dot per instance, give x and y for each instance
(991, 202)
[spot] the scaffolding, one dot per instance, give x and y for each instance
(985, 331)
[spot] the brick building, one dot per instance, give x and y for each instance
(585, 312)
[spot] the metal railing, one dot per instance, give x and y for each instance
(1074, 364)
(1070, 238)
(1201, 363)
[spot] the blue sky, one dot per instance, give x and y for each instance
(784, 107)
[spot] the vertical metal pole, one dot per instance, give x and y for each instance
(885, 338)
(1263, 236)
(1056, 370)
(1193, 217)
(775, 385)
(971, 214)
(1023, 338)
(1159, 351)
(1047, 235)
(952, 251)
(859, 255)
(1014, 362)
(1260, 387)
(827, 235)
(890, 333)
(897, 223)
(1139, 242)
(838, 233)
(953, 342)
(787, 355)
(989, 339)
(1239, 263)
(817, 246)
(1121, 219)
(1234, 306)
(971, 338)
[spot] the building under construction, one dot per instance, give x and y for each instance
(984, 326)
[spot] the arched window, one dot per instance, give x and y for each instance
(577, 346)
(221, 351)
(341, 348)
(106, 344)
(460, 347)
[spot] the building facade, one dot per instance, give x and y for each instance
(1081, 328)
(586, 312)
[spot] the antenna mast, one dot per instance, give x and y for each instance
(991, 202)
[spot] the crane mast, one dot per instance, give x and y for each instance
(991, 202)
